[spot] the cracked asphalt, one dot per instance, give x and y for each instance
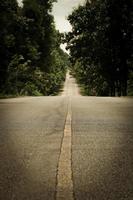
(31, 133)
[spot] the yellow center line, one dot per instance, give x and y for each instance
(64, 177)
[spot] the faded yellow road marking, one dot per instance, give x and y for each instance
(64, 177)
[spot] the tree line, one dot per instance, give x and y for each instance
(101, 46)
(31, 60)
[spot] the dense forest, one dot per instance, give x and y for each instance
(101, 46)
(31, 60)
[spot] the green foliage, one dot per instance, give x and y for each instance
(31, 61)
(8, 13)
(101, 41)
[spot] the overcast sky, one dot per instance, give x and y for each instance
(20, 2)
(61, 10)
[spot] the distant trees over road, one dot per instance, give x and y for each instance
(31, 60)
(101, 46)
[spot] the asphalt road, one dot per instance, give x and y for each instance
(31, 137)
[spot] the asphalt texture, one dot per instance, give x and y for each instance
(31, 135)
(31, 131)
(102, 157)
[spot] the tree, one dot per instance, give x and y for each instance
(32, 62)
(8, 14)
(101, 32)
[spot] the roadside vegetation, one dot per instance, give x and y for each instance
(101, 47)
(31, 60)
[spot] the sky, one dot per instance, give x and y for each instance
(20, 2)
(61, 9)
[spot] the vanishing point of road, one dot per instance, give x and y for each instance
(67, 147)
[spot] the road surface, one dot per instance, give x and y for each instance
(66, 147)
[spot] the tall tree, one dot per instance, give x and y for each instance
(8, 14)
(101, 32)
(41, 28)
(32, 62)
